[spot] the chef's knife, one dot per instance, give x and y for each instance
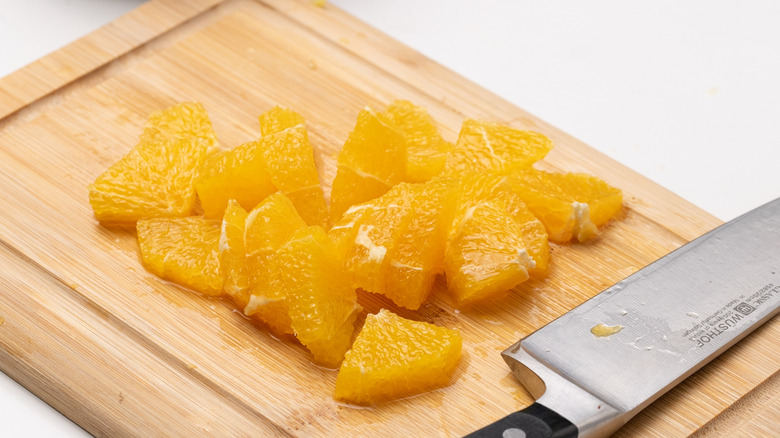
(598, 365)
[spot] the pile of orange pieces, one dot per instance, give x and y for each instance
(406, 206)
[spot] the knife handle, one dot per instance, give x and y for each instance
(535, 421)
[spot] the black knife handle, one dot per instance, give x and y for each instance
(535, 421)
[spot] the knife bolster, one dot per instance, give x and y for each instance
(591, 416)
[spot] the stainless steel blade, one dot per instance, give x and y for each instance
(667, 320)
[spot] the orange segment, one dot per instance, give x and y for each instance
(289, 160)
(569, 205)
(474, 188)
(283, 159)
(366, 260)
(278, 119)
(415, 258)
(185, 120)
(393, 245)
(311, 205)
(394, 357)
(352, 188)
(153, 180)
(426, 150)
(487, 146)
(604, 201)
(268, 227)
(535, 238)
(182, 250)
(343, 232)
(468, 190)
(239, 174)
(486, 256)
(232, 254)
(534, 234)
(156, 178)
(372, 160)
(322, 305)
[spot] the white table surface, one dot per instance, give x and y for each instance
(685, 93)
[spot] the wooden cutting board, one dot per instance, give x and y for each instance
(87, 329)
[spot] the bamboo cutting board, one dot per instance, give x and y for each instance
(120, 352)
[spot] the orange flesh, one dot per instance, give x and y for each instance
(394, 357)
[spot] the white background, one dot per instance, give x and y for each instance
(686, 93)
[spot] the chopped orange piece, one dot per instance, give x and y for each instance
(426, 150)
(183, 250)
(486, 256)
(394, 357)
(372, 160)
(487, 146)
(352, 188)
(268, 227)
(570, 205)
(232, 254)
(184, 120)
(535, 237)
(604, 201)
(283, 159)
(156, 178)
(239, 173)
(415, 258)
(322, 305)
(343, 232)
(366, 259)
(289, 159)
(393, 245)
(472, 189)
(278, 119)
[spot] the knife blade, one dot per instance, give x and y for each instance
(595, 367)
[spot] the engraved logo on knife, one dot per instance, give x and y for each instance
(729, 317)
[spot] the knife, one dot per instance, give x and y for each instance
(598, 365)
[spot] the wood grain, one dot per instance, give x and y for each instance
(87, 54)
(123, 353)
